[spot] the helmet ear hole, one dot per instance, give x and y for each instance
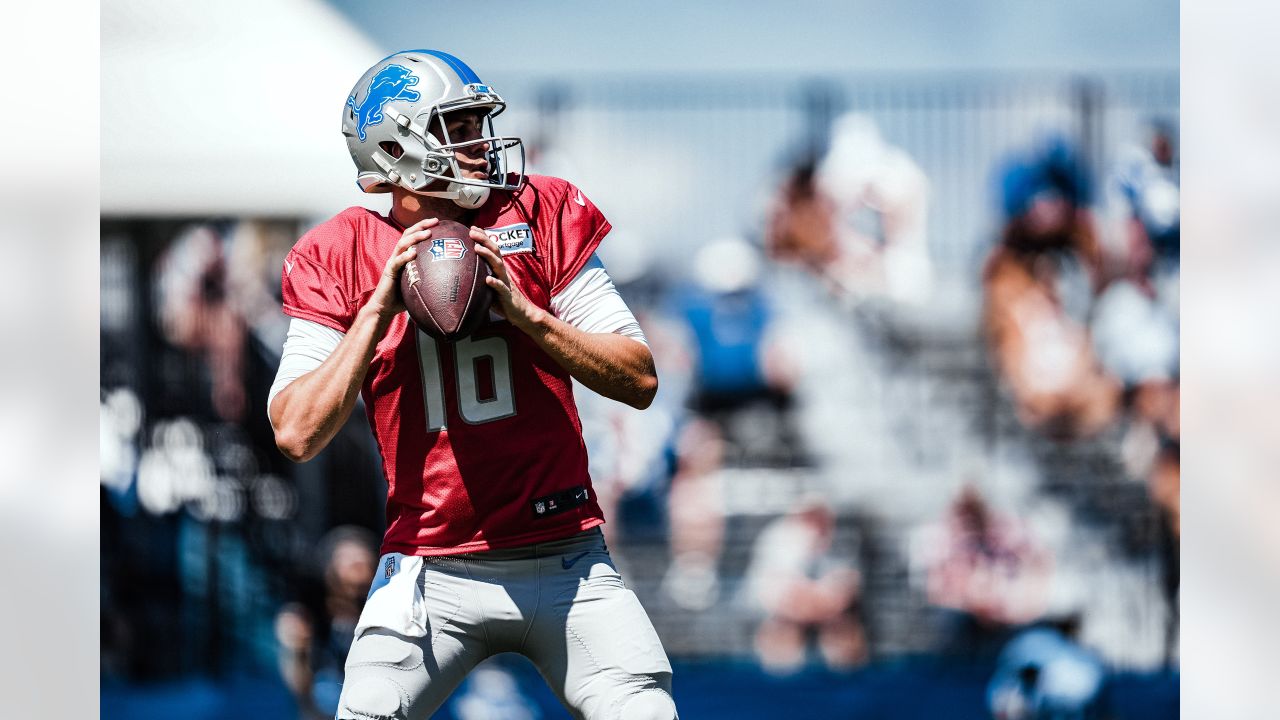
(392, 148)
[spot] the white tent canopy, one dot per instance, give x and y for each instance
(229, 107)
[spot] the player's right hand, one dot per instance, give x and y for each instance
(386, 301)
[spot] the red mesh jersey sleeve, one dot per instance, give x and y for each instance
(578, 226)
(311, 284)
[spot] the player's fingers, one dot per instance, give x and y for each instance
(412, 238)
(486, 243)
(410, 253)
(494, 260)
(416, 232)
(421, 225)
(482, 238)
(401, 259)
(498, 286)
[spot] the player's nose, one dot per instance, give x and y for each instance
(476, 151)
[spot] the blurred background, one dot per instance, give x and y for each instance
(912, 290)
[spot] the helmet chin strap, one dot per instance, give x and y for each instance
(468, 196)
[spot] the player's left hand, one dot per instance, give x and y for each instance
(512, 304)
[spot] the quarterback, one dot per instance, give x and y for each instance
(492, 541)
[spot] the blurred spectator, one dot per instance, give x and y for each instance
(739, 368)
(696, 509)
(1136, 331)
(1039, 286)
(882, 199)
(1136, 327)
(728, 316)
(1146, 180)
(255, 254)
(1042, 674)
(314, 640)
(217, 289)
(1136, 323)
(857, 217)
(1137, 337)
(801, 223)
(984, 571)
(804, 586)
(196, 314)
(741, 399)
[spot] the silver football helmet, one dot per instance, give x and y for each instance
(388, 120)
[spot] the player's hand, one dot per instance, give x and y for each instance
(386, 301)
(513, 305)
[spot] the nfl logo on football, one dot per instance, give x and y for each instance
(447, 249)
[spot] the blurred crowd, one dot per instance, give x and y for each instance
(774, 492)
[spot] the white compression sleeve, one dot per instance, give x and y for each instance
(591, 303)
(306, 346)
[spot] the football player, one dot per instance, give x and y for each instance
(492, 541)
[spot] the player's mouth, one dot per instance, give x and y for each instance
(474, 171)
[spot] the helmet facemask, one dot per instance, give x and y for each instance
(426, 159)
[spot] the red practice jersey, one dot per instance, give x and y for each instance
(480, 438)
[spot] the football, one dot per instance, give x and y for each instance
(443, 286)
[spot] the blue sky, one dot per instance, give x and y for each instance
(667, 37)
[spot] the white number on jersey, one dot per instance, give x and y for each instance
(467, 357)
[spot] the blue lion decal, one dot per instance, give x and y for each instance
(393, 82)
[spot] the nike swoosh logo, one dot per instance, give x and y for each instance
(568, 562)
(288, 267)
(580, 200)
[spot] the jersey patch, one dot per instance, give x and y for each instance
(512, 239)
(563, 501)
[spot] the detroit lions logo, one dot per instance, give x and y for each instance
(393, 82)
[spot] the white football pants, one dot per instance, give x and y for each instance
(430, 620)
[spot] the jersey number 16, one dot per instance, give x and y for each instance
(482, 367)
